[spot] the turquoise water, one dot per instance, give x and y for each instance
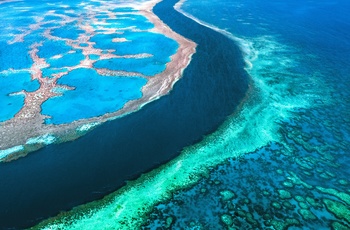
(278, 162)
(124, 22)
(99, 162)
(146, 66)
(137, 43)
(14, 50)
(14, 83)
(128, 20)
(53, 48)
(301, 179)
(163, 44)
(67, 60)
(68, 31)
(93, 96)
(48, 72)
(25, 28)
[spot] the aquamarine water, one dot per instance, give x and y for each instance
(101, 161)
(138, 43)
(67, 60)
(52, 48)
(54, 38)
(280, 161)
(14, 83)
(69, 31)
(301, 180)
(93, 96)
(128, 20)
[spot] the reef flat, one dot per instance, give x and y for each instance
(298, 180)
(279, 162)
(79, 65)
(86, 169)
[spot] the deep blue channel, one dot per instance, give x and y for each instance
(62, 176)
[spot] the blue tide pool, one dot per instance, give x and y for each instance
(93, 96)
(63, 43)
(11, 96)
(255, 135)
(103, 159)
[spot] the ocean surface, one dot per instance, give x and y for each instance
(59, 39)
(214, 153)
(60, 177)
(299, 52)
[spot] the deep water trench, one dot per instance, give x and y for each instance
(59, 177)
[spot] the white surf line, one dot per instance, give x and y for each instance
(250, 54)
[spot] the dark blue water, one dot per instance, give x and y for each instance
(62, 176)
(311, 158)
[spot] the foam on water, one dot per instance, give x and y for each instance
(299, 75)
(45, 139)
(276, 92)
(51, 42)
(6, 152)
(87, 127)
(245, 45)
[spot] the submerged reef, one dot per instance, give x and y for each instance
(65, 58)
(100, 162)
(280, 161)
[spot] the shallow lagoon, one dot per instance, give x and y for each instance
(93, 96)
(56, 40)
(281, 162)
(11, 84)
(293, 137)
(103, 159)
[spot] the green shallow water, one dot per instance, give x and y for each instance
(254, 125)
